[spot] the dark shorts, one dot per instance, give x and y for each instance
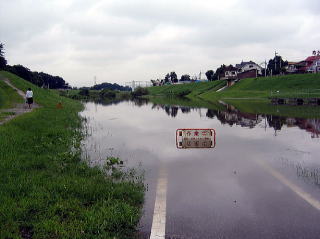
(30, 101)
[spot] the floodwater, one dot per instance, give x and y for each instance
(262, 179)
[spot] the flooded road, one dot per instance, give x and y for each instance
(262, 179)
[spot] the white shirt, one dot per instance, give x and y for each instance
(29, 94)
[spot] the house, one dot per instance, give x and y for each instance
(292, 67)
(309, 65)
(248, 74)
(230, 73)
(249, 66)
(313, 64)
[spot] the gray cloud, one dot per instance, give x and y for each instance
(124, 40)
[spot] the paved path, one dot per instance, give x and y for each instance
(19, 109)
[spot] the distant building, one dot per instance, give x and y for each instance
(309, 65)
(313, 64)
(248, 74)
(292, 67)
(249, 66)
(230, 74)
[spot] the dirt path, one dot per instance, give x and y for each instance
(19, 109)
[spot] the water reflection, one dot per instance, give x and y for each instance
(233, 116)
(143, 132)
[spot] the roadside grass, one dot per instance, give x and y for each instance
(47, 191)
(8, 96)
(4, 115)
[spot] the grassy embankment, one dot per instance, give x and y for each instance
(47, 191)
(8, 98)
(248, 95)
(191, 90)
(306, 85)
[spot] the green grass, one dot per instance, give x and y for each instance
(47, 191)
(266, 108)
(4, 115)
(246, 106)
(194, 89)
(303, 85)
(193, 103)
(288, 86)
(248, 95)
(8, 96)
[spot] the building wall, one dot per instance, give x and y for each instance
(247, 74)
(249, 67)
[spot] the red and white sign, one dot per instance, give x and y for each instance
(195, 138)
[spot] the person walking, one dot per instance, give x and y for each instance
(29, 97)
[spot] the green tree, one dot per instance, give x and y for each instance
(174, 77)
(209, 75)
(106, 93)
(84, 92)
(167, 78)
(140, 91)
(219, 72)
(185, 78)
(3, 61)
(276, 65)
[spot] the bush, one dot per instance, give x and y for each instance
(84, 92)
(184, 93)
(140, 92)
(106, 93)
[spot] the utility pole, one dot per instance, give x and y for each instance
(95, 80)
(275, 60)
(265, 68)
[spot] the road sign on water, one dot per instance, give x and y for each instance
(195, 138)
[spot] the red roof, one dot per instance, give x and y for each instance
(313, 58)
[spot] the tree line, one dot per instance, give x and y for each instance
(275, 66)
(40, 79)
(110, 86)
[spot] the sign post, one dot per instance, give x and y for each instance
(195, 138)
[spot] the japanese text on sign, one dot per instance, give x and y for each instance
(195, 138)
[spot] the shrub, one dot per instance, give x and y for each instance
(140, 92)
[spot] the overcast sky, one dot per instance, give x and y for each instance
(125, 40)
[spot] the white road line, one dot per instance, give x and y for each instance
(306, 196)
(158, 229)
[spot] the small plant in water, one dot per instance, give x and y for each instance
(112, 168)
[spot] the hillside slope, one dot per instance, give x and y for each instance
(190, 90)
(305, 85)
(287, 85)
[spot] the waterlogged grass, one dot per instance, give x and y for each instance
(47, 191)
(193, 103)
(262, 106)
(265, 107)
(8, 96)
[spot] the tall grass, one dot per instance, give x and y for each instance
(8, 96)
(47, 191)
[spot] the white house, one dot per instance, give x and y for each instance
(248, 66)
(315, 67)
